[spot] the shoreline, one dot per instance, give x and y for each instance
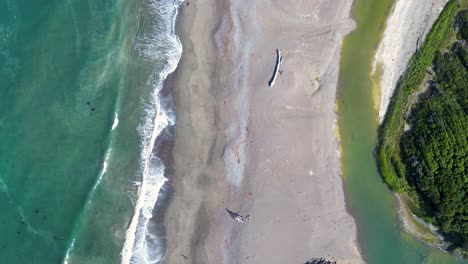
(414, 226)
(227, 118)
(156, 136)
(403, 34)
(196, 139)
(409, 220)
(399, 43)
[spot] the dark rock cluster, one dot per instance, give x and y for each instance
(320, 261)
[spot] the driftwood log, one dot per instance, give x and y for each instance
(279, 61)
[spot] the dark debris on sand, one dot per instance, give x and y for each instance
(320, 261)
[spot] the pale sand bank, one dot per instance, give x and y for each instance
(415, 226)
(409, 21)
(267, 152)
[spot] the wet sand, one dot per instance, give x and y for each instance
(269, 152)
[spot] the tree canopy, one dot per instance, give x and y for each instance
(435, 148)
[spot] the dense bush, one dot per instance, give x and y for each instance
(435, 149)
(430, 160)
(462, 53)
(462, 24)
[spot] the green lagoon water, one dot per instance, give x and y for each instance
(370, 201)
(77, 102)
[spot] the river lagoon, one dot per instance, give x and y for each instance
(369, 200)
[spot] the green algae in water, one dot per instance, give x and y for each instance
(370, 201)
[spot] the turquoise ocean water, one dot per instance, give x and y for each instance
(80, 111)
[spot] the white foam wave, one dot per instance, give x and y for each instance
(96, 184)
(162, 47)
(67, 255)
(105, 163)
(116, 121)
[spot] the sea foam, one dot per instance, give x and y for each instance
(163, 48)
(116, 121)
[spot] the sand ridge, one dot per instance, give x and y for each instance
(409, 21)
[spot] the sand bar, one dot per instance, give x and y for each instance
(407, 26)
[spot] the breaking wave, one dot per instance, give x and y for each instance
(163, 48)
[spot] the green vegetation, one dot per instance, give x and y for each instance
(436, 146)
(430, 160)
(388, 151)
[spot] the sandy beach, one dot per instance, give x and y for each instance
(407, 27)
(268, 152)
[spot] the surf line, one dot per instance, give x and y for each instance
(116, 121)
(156, 120)
(92, 191)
